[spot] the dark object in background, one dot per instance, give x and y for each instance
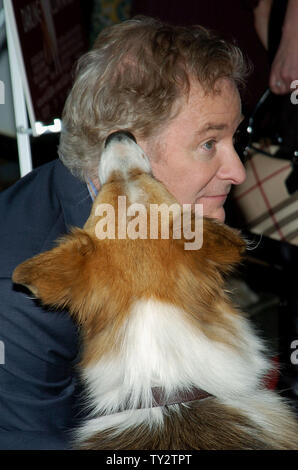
(286, 114)
(284, 111)
(43, 150)
(233, 20)
(44, 147)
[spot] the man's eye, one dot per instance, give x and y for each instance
(209, 145)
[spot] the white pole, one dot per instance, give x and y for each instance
(20, 110)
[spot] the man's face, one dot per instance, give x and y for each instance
(194, 155)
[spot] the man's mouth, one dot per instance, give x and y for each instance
(216, 197)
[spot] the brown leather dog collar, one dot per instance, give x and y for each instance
(181, 396)
(160, 399)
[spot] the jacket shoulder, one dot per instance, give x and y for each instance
(30, 210)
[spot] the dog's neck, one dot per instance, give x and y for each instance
(180, 396)
(160, 398)
(160, 350)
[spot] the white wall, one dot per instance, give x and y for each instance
(7, 123)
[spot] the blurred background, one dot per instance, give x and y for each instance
(233, 19)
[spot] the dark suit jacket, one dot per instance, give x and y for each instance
(38, 383)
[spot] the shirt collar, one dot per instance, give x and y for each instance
(92, 189)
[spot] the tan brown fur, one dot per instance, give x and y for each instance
(203, 425)
(98, 281)
(110, 274)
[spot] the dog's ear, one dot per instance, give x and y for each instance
(222, 245)
(215, 242)
(54, 276)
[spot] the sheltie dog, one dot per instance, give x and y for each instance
(168, 362)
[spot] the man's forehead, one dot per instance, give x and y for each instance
(220, 86)
(199, 112)
(213, 109)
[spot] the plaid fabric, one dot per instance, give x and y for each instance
(263, 198)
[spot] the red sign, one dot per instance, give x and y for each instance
(51, 38)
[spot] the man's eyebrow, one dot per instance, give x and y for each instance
(213, 127)
(210, 126)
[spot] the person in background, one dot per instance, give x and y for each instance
(276, 23)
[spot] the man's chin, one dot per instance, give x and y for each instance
(217, 214)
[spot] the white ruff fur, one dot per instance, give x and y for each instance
(160, 347)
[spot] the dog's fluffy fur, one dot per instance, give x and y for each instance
(153, 314)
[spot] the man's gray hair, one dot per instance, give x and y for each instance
(131, 79)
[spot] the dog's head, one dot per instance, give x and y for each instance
(99, 278)
(92, 277)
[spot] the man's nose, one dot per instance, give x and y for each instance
(232, 168)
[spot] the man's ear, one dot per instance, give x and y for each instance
(53, 276)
